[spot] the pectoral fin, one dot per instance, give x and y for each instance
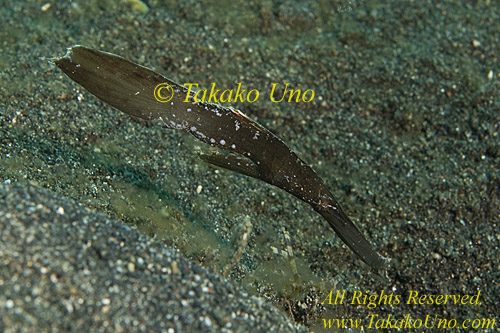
(231, 162)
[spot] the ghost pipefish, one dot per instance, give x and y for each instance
(252, 150)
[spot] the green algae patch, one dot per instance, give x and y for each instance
(159, 216)
(277, 273)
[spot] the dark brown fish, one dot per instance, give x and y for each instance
(253, 150)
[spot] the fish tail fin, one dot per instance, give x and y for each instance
(126, 86)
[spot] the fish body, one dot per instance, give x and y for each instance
(253, 149)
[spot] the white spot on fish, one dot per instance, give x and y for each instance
(200, 135)
(233, 146)
(188, 109)
(237, 124)
(192, 128)
(256, 136)
(222, 142)
(216, 111)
